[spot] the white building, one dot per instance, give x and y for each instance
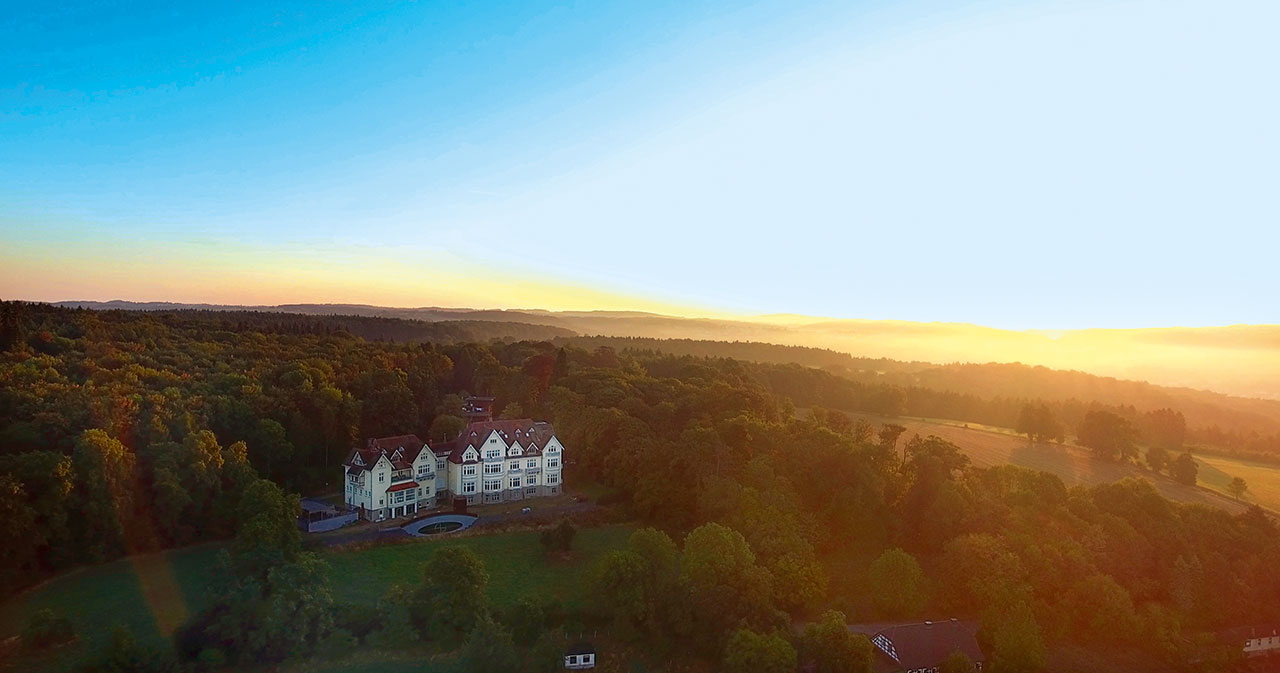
(489, 461)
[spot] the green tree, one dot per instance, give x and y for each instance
(1165, 428)
(1016, 644)
(20, 538)
(750, 652)
(1237, 487)
(489, 649)
(957, 662)
(560, 538)
(528, 619)
(1185, 469)
(1109, 435)
(105, 485)
(271, 600)
(446, 427)
(898, 584)
(449, 598)
(1157, 458)
(726, 587)
(831, 647)
(1038, 423)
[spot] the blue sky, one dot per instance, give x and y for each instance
(1041, 164)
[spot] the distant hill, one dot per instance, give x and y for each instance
(1181, 364)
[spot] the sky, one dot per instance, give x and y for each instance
(1043, 164)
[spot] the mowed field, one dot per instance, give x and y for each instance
(152, 594)
(987, 446)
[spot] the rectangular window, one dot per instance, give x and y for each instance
(553, 462)
(553, 478)
(382, 476)
(493, 486)
(440, 465)
(411, 495)
(573, 658)
(469, 487)
(493, 468)
(469, 471)
(531, 463)
(515, 482)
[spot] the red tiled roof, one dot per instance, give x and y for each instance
(530, 434)
(402, 487)
(410, 447)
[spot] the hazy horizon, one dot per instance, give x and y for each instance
(1046, 165)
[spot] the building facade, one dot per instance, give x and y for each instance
(490, 461)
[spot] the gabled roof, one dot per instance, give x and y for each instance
(531, 436)
(408, 446)
(920, 645)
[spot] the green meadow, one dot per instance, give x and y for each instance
(152, 594)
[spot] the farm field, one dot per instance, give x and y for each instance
(153, 593)
(999, 446)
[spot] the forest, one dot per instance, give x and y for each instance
(760, 533)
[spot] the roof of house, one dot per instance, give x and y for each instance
(921, 644)
(532, 436)
(580, 647)
(1243, 633)
(409, 447)
(402, 486)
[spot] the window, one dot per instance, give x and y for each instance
(573, 658)
(553, 462)
(492, 455)
(514, 465)
(515, 482)
(399, 496)
(382, 476)
(439, 464)
(553, 478)
(411, 495)
(493, 485)
(531, 463)
(493, 468)
(469, 470)
(469, 487)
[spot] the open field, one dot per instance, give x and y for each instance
(1263, 478)
(515, 561)
(153, 593)
(988, 446)
(149, 594)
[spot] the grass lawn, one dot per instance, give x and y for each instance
(153, 593)
(515, 561)
(150, 594)
(1263, 478)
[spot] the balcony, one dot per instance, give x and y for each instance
(426, 476)
(400, 477)
(532, 470)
